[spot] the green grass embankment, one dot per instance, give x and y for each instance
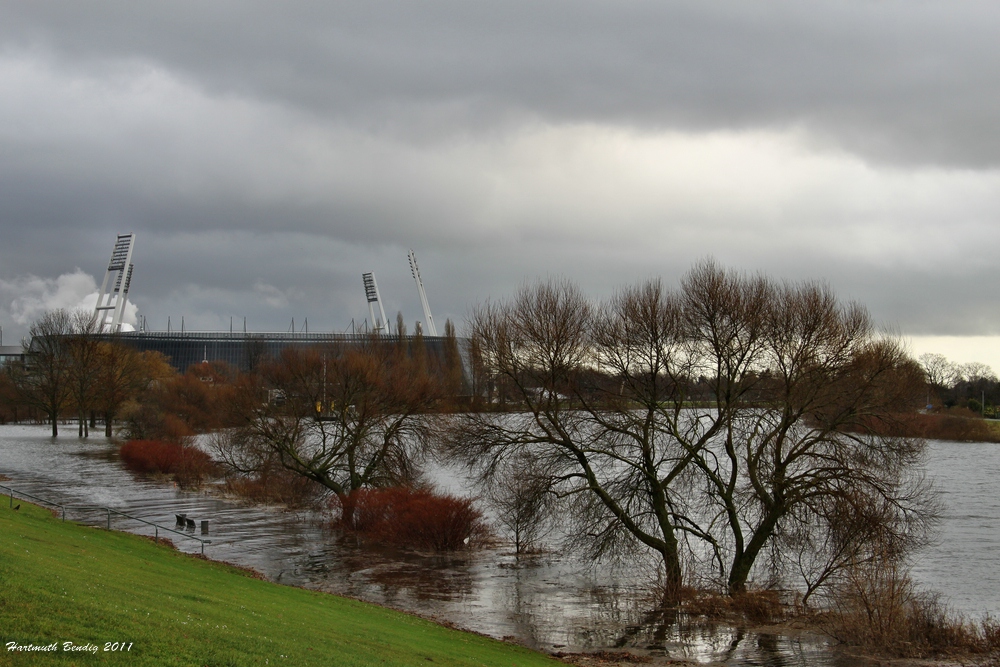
(63, 582)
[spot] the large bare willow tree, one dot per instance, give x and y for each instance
(700, 422)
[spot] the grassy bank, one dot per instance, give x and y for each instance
(62, 582)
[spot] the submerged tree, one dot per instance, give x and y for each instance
(44, 381)
(590, 386)
(83, 352)
(126, 382)
(698, 422)
(346, 418)
(522, 497)
(802, 412)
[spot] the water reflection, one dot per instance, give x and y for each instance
(547, 602)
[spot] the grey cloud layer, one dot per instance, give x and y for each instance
(895, 80)
(268, 153)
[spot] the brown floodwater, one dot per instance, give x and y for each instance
(552, 601)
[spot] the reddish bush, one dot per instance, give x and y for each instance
(188, 465)
(413, 518)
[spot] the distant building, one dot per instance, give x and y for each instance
(246, 350)
(10, 353)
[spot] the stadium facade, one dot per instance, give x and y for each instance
(245, 350)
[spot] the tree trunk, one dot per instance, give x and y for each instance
(743, 562)
(348, 506)
(107, 424)
(55, 425)
(672, 573)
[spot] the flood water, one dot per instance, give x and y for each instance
(551, 602)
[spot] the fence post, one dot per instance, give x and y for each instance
(109, 517)
(156, 534)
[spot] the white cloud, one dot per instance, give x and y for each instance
(31, 296)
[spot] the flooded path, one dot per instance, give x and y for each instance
(551, 602)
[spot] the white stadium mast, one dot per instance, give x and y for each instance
(371, 293)
(431, 329)
(114, 300)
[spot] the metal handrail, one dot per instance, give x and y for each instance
(156, 527)
(28, 495)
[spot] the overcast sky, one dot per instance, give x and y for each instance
(266, 154)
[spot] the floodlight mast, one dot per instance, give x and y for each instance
(372, 295)
(114, 300)
(415, 270)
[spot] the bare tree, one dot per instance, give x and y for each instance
(83, 348)
(44, 381)
(713, 417)
(941, 373)
(976, 371)
(819, 387)
(522, 496)
(600, 432)
(452, 363)
(346, 418)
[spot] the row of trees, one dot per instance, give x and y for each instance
(972, 385)
(70, 371)
(728, 426)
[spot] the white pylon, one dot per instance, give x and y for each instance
(114, 300)
(371, 293)
(431, 329)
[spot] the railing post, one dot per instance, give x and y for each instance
(156, 534)
(109, 518)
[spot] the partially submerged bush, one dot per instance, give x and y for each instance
(753, 606)
(956, 424)
(275, 484)
(879, 609)
(187, 465)
(412, 518)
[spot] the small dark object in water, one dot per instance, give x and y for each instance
(204, 526)
(190, 523)
(180, 519)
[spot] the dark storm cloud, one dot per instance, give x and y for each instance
(905, 81)
(268, 153)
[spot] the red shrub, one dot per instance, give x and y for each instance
(413, 518)
(150, 455)
(188, 465)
